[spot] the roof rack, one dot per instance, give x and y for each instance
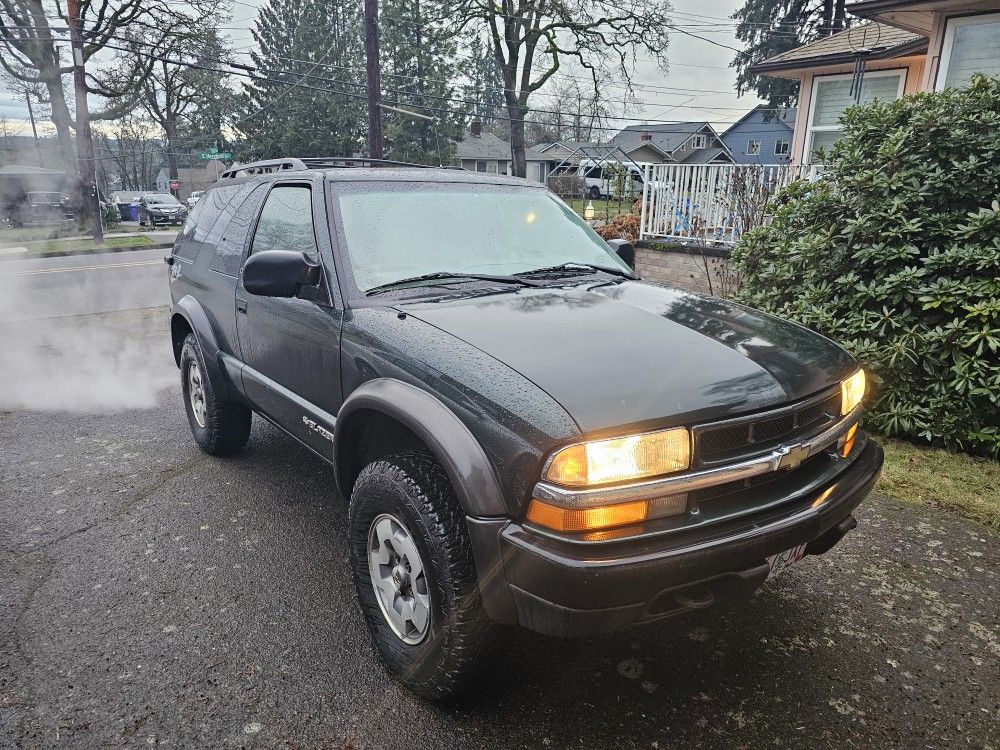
(292, 164)
(323, 162)
(264, 167)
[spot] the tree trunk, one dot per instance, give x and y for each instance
(839, 16)
(519, 165)
(826, 28)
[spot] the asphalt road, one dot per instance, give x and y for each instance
(151, 595)
(33, 288)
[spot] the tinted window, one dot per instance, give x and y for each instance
(188, 243)
(238, 219)
(286, 222)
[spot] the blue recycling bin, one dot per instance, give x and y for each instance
(133, 212)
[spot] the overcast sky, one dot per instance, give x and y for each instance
(698, 86)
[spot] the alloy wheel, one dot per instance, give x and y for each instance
(399, 579)
(196, 393)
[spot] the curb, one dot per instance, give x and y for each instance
(92, 251)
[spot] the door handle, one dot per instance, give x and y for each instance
(241, 305)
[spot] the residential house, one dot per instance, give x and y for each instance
(675, 143)
(906, 46)
(570, 152)
(191, 178)
(485, 152)
(762, 136)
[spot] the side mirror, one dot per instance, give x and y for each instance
(279, 273)
(624, 250)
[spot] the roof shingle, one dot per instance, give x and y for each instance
(873, 37)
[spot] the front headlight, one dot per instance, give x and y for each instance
(852, 391)
(602, 462)
(622, 459)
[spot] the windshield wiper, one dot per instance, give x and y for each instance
(439, 275)
(574, 266)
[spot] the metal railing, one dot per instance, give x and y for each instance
(714, 203)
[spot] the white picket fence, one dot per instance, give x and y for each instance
(713, 203)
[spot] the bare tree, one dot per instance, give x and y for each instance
(573, 110)
(183, 77)
(34, 53)
(532, 38)
(129, 150)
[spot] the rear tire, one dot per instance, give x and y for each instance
(595, 192)
(219, 427)
(404, 506)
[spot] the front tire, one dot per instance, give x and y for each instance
(219, 427)
(415, 576)
(595, 192)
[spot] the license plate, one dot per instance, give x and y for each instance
(782, 560)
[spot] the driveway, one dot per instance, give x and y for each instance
(151, 595)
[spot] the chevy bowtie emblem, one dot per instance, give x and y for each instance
(792, 455)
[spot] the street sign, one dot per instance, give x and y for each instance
(174, 185)
(221, 155)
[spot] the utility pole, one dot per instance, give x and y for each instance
(375, 150)
(84, 138)
(34, 130)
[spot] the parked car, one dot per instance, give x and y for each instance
(525, 432)
(193, 198)
(161, 208)
(39, 208)
(598, 178)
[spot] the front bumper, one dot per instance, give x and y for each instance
(560, 587)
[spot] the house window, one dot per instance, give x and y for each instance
(753, 148)
(698, 141)
(480, 166)
(782, 147)
(971, 45)
(831, 95)
(491, 166)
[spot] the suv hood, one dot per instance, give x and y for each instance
(632, 353)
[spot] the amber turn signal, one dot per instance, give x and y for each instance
(586, 519)
(848, 441)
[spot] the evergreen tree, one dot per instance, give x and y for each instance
(204, 126)
(770, 27)
(317, 44)
(485, 85)
(417, 55)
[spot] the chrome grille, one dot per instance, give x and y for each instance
(743, 437)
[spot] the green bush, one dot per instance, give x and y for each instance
(895, 253)
(111, 217)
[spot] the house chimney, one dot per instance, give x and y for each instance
(476, 127)
(646, 137)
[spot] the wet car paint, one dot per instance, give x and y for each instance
(620, 355)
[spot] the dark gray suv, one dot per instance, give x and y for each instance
(527, 434)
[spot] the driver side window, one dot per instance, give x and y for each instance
(286, 222)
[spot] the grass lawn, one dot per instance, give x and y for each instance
(602, 208)
(931, 476)
(88, 246)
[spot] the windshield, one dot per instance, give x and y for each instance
(162, 200)
(395, 232)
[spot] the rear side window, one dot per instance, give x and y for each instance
(232, 237)
(192, 235)
(286, 222)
